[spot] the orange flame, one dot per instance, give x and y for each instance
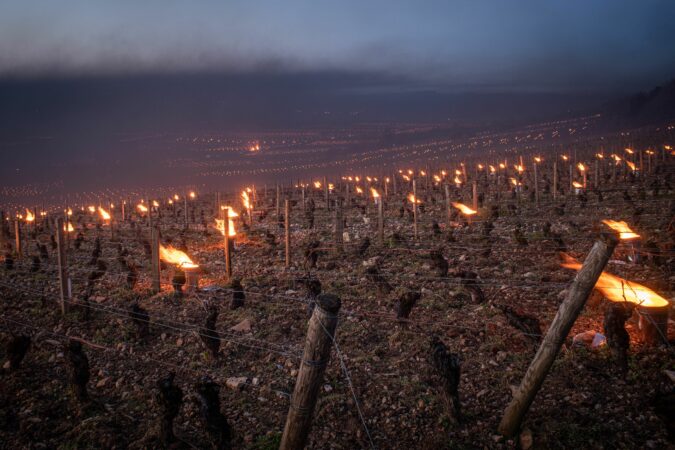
(69, 212)
(412, 199)
(155, 203)
(317, 184)
(406, 177)
(631, 165)
(359, 190)
(629, 151)
(619, 289)
(141, 207)
(92, 209)
(519, 168)
(245, 199)
(625, 233)
(581, 167)
(103, 213)
(68, 227)
(457, 180)
(493, 169)
(177, 257)
(29, 215)
(464, 209)
(192, 194)
(220, 224)
(577, 185)
(374, 192)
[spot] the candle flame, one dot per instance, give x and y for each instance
(581, 167)
(625, 232)
(412, 199)
(464, 209)
(619, 289)
(577, 185)
(141, 207)
(29, 215)
(103, 213)
(177, 257)
(374, 193)
(245, 199)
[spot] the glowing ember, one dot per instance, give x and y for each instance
(618, 289)
(625, 233)
(464, 209)
(103, 213)
(29, 215)
(177, 257)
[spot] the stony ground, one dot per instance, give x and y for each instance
(584, 403)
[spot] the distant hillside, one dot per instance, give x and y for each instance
(655, 106)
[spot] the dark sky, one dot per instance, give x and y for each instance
(466, 45)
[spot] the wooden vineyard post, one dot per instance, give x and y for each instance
(325, 193)
(555, 336)
(414, 208)
(3, 238)
(154, 262)
(393, 179)
(278, 204)
(339, 227)
(571, 184)
(448, 211)
(555, 180)
(475, 195)
(287, 227)
(380, 220)
(226, 242)
(318, 344)
(185, 209)
(596, 177)
(62, 265)
(17, 238)
(536, 185)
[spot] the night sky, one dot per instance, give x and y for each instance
(484, 46)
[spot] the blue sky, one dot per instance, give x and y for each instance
(474, 45)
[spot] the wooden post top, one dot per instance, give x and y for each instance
(330, 303)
